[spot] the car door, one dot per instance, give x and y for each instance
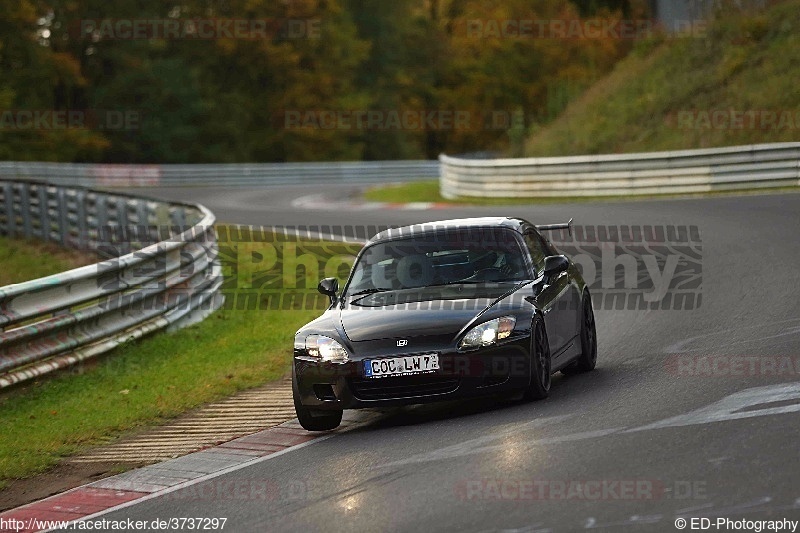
(569, 301)
(554, 297)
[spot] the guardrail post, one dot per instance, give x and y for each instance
(81, 223)
(8, 200)
(63, 225)
(25, 210)
(44, 215)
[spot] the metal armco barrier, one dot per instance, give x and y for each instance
(254, 174)
(680, 172)
(159, 271)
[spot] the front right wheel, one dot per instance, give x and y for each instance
(314, 419)
(587, 361)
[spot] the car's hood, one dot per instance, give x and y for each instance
(445, 312)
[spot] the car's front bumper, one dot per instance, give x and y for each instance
(488, 370)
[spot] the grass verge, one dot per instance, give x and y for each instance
(428, 191)
(734, 84)
(24, 260)
(159, 377)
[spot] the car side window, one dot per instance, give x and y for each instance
(537, 248)
(549, 247)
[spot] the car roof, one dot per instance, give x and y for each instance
(513, 223)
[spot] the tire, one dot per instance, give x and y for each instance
(541, 375)
(314, 419)
(587, 361)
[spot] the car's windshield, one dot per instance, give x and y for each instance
(439, 258)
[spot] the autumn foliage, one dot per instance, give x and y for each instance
(297, 80)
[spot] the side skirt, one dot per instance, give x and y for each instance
(567, 354)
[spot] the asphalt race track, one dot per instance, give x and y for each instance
(635, 445)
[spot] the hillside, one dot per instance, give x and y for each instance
(735, 83)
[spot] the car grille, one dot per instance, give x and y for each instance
(402, 387)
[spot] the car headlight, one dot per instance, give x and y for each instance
(488, 332)
(325, 349)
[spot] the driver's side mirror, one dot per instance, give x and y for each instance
(555, 264)
(329, 287)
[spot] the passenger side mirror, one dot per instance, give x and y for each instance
(555, 264)
(329, 287)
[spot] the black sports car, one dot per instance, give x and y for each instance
(440, 311)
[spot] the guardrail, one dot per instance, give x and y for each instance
(160, 272)
(679, 172)
(255, 174)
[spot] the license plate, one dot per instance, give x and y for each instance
(401, 366)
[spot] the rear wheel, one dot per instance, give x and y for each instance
(315, 419)
(588, 358)
(541, 377)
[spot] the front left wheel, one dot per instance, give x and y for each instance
(541, 375)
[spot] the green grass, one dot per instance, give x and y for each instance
(415, 191)
(428, 191)
(23, 260)
(744, 63)
(146, 382)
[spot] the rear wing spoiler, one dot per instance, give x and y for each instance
(554, 227)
